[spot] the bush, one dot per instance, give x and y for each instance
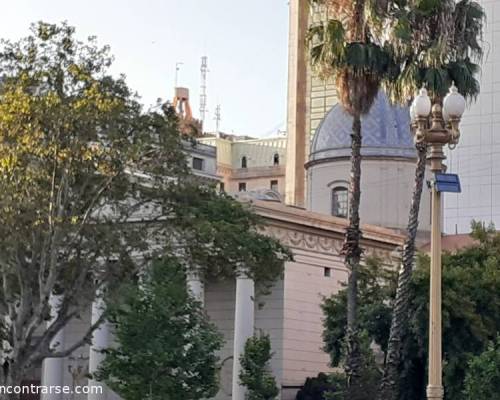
(482, 381)
(255, 374)
(322, 387)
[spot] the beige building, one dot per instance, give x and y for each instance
(309, 99)
(290, 314)
(246, 164)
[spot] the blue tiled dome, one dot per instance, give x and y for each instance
(385, 130)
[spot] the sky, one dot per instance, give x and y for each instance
(245, 42)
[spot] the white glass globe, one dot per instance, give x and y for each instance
(454, 103)
(413, 114)
(422, 104)
(446, 116)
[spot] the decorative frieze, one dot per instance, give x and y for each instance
(324, 244)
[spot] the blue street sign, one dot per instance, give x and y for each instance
(447, 183)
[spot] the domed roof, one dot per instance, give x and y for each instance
(385, 130)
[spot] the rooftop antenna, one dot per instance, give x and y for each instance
(217, 118)
(203, 89)
(177, 69)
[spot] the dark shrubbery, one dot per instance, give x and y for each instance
(322, 387)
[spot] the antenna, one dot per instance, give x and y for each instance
(217, 118)
(203, 89)
(177, 69)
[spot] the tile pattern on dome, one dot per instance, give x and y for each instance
(385, 130)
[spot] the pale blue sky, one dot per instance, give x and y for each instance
(246, 42)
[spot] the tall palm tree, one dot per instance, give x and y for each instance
(435, 46)
(346, 46)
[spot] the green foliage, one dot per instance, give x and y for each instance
(165, 346)
(255, 374)
(405, 44)
(471, 314)
(482, 381)
(323, 387)
(72, 138)
(376, 283)
(220, 234)
(471, 305)
(434, 43)
(427, 7)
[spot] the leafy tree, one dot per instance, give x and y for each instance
(322, 387)
(470, 315)
(89, 180)
(348, 47)
(218, 234)
(255, 374)
(165, 346)
(376, 285)
(482, 381)
(72, 139)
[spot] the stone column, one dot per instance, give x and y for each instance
(53, 368)
(297, 126)
(100, 340)
(196, 286)
(243, 328)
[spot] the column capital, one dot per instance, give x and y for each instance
(196, 285)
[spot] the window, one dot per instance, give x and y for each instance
(222, 187)
(340, 202)
(276, 159)
(242, 187)
(243, 162)
(198, 163)
(274, 185)
(327, 272)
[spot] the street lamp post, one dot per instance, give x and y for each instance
(436, 126)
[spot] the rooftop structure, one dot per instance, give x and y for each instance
(202, 160)
(249, 164)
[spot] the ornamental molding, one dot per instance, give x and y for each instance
(324, 244)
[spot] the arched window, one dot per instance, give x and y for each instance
(243, 162)
(340, 202)
(276, 159)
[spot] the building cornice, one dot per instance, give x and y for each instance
(257, 172)
(301, 229)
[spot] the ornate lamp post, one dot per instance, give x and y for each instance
(436, 126)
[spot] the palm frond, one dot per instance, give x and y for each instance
(402, 89)
(469, 19)
(327, 47)
(436, 42)
(464, 73)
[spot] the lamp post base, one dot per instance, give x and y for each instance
(435, 392)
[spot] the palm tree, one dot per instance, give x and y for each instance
(436, 46)
(346, 46)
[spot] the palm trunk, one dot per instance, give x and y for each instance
(352, 251)
(389, 389)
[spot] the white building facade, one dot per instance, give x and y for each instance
(290, 313)
(477, 157)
